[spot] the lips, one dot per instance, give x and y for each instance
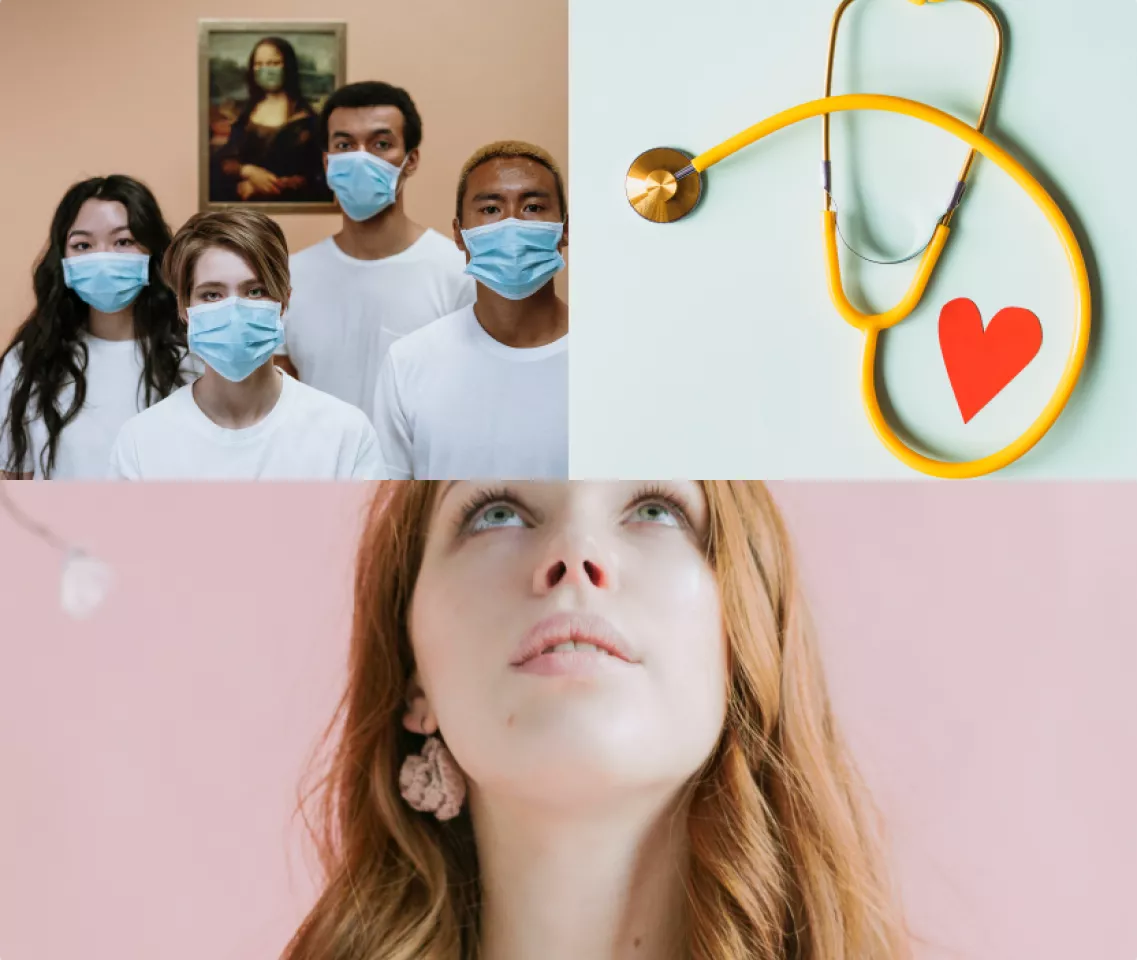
(573, 633)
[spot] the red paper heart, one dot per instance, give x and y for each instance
(981, 362)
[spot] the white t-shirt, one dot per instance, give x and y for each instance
(114, 394)
(452, 403)
(306, 436)
(346, 313)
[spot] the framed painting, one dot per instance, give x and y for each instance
(261, 86)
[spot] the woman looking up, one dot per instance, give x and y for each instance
(588, 720)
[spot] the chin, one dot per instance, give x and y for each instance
(577, 777)
(573, 757)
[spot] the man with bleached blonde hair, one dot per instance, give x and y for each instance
(484, 392)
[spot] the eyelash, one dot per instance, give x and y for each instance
(481, 499)
(381, 144)
(494, 208)
(80, 244)
(656, 493)
(648, 493)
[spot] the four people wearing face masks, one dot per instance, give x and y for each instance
(484, 392)
(103, 341)
(243, 419)
(382, 275)
(469, 334)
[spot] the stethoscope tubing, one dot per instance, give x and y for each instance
(871, 327)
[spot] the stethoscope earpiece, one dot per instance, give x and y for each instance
(663, 186)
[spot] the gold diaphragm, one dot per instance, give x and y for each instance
(653, 191)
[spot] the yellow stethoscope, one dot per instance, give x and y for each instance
(664, 185)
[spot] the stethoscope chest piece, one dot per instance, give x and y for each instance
(662, 185)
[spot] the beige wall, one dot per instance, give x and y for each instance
(111, 87)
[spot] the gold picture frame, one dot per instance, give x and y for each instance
(250, 161)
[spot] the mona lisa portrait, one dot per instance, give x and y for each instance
(261, 87)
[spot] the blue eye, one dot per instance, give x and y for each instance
(496, 516)
(652, 511)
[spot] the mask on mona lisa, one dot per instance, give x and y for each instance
(270, 79)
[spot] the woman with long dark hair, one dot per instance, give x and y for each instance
(103, 341)
(273, 153)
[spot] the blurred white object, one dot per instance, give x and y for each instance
(83, 584)
(84, 581)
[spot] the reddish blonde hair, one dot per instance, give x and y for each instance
(785, 864)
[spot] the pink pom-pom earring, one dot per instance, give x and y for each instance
(432, 782)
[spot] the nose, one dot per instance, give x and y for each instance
(573, 562)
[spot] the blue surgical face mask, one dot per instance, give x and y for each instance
(235, 336)
(364, 184)
(269, 79)
(109, 282)
(515, 258)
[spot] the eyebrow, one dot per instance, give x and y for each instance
(368, 135)
(220, 283)
(87, 233)
(527, 195)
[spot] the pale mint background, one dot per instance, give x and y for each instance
(710, 347)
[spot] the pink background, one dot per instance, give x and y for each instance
(982, 649)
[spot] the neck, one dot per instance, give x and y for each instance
(607, 884)
(111, 326)
(384, 235)
(238, 405)
(533, 322)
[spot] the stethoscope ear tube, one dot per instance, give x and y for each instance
(984, 112)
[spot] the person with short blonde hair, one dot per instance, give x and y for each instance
(484, 391)
(382, 276)
(254, 237)
(510, 150)
(243, 419)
